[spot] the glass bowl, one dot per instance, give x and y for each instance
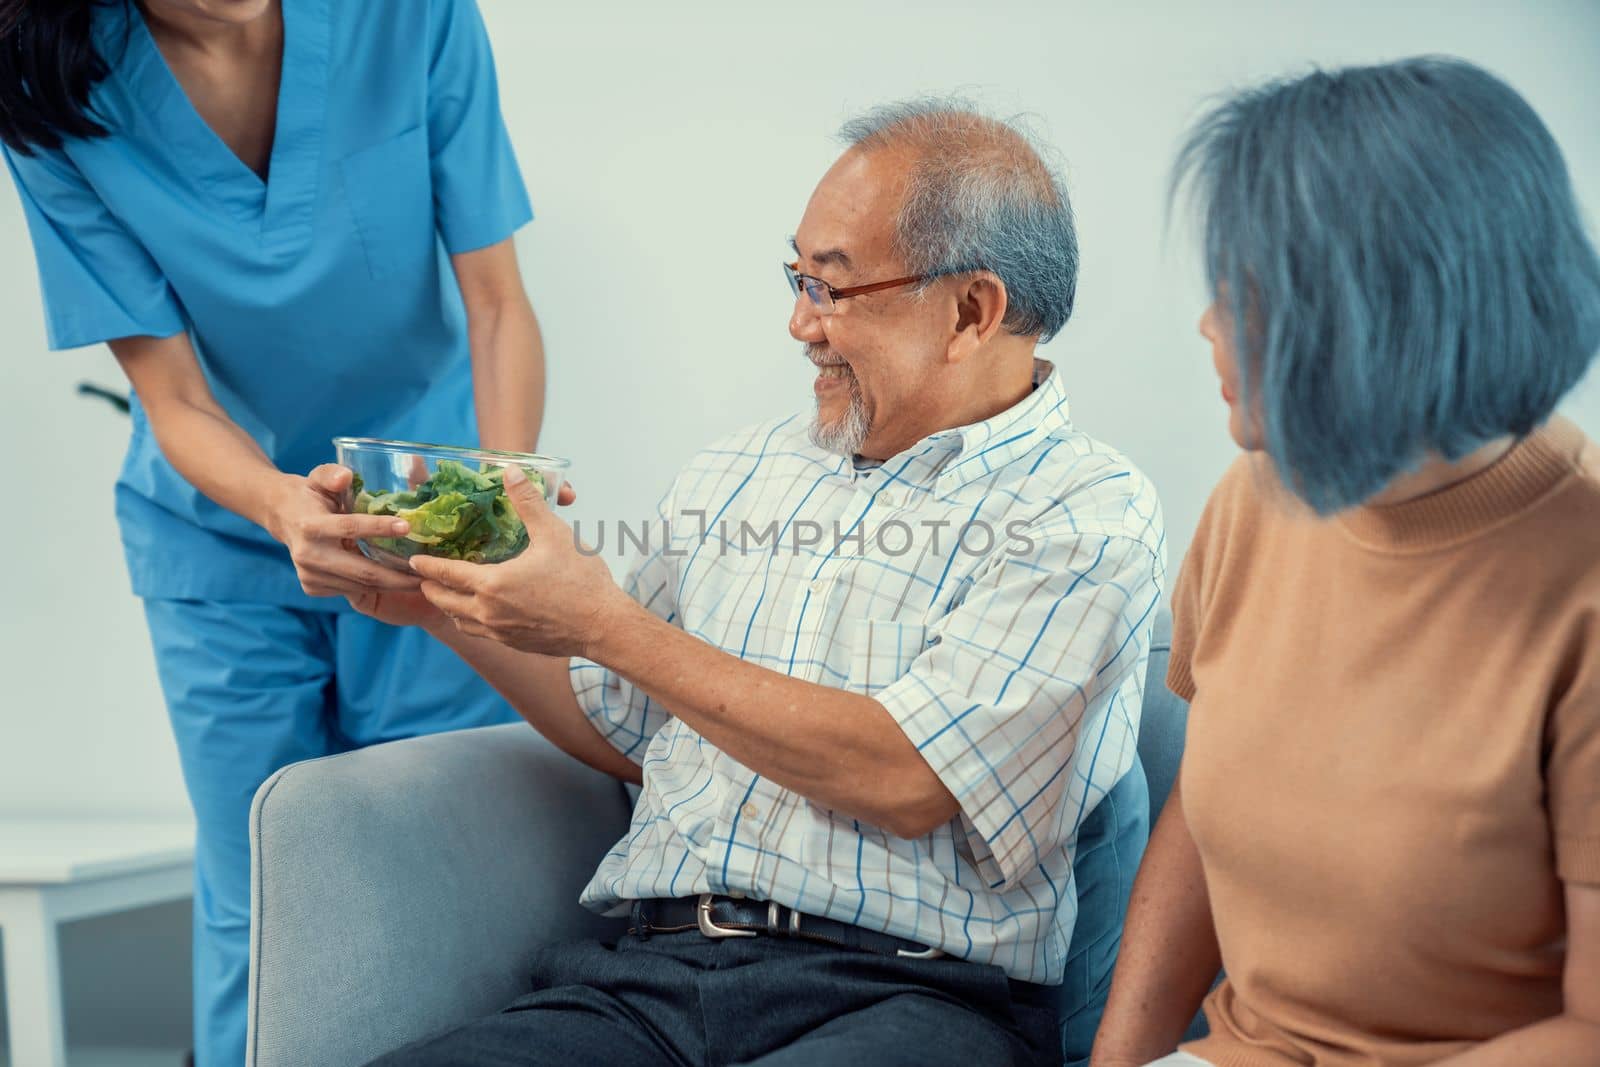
(453, 498)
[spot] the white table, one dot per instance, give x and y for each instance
(57, 870)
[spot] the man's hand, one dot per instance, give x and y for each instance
(552, 599)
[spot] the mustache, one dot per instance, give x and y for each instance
(819, 355)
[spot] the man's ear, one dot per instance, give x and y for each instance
(980, 308)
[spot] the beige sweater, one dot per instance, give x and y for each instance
(1393, 755)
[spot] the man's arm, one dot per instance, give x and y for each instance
(540, 688)
(840, 750)
(1021, 671)
(508, 370)
(1060, 624)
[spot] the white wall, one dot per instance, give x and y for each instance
(670, 149)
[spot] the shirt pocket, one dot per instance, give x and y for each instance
(390, 193)
(883, 652)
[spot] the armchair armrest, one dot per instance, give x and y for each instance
(401, 888)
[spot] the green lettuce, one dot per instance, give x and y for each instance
(458, 513)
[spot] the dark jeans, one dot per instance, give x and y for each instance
(688, 1000)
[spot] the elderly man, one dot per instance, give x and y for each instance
(882, 666)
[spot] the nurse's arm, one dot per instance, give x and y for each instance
(507, 350)
(224, 462)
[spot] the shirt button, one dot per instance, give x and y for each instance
(818, 585)
(750, 811)
(888, 499)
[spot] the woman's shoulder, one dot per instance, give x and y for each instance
(1572, 504)
(1586, 464)
(1569, 518)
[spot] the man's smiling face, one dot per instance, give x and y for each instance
(876, 353)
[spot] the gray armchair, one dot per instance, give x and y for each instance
(399, 889)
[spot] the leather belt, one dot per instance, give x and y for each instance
(719, 917)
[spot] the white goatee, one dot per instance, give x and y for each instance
(844, 435)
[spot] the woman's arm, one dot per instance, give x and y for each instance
(1169, 956)
(218, 458)
(507, 351)
(1573, 1037)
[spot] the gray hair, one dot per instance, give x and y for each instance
(1407, 239)
(980, 197)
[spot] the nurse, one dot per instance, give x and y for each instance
(248, 200)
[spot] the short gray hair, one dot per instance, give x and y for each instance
(980, 197)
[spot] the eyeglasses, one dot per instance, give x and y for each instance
(825, 296)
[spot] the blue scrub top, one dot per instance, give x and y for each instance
(318, 300)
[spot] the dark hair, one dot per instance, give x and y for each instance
(48, 65)
(1405, 264)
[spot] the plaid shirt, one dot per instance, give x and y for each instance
(993, 587)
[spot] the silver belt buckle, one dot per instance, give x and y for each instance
(702, 915)
(925, 954)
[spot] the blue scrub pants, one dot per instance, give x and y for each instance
(252, 688)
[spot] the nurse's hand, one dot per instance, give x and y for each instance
(552, 599)
(307, 515)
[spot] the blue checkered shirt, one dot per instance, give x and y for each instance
(993, 587)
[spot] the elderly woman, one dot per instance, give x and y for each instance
(1387, 828)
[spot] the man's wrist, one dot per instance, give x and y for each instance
(613, 628)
